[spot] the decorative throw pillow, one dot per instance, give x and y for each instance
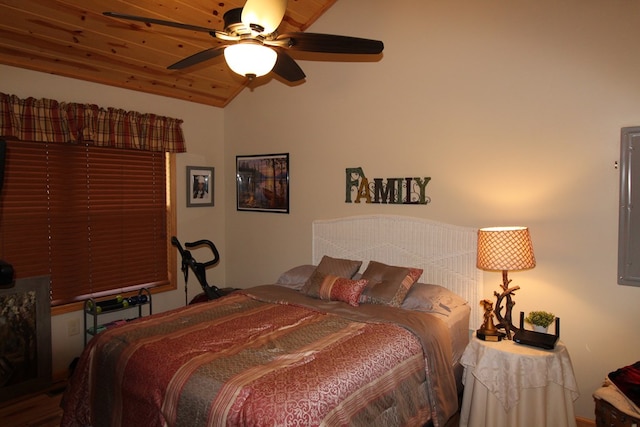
(338, 266)
(296, 277)
(334, 288)
(388, 285)
(432, 299)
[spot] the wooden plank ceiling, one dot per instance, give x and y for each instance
(72, 38)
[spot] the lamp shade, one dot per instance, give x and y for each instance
(267, 14)
(505, 248)
(250, 59)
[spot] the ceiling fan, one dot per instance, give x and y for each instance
(253, 47)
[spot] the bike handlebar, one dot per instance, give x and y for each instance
(198, 268)
(216, 255)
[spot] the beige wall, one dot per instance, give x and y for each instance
(203, 131)
(513, 108)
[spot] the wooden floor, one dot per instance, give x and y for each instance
(42, 410)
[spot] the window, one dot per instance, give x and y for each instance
(97, 220)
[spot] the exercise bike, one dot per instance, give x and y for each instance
(188, 262)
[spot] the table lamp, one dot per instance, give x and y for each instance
(504, 249)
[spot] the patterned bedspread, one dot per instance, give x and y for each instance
(264, 357)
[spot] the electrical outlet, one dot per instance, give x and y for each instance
(73, 327)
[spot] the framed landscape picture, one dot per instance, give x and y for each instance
(199, 186)
(262, 183)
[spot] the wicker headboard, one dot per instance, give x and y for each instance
(446, 253)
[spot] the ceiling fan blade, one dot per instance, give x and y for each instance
(287, 68)
(265, 14)
(197, 58)
(159, 22)
(329, 43)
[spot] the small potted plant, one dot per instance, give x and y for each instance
(540, 320)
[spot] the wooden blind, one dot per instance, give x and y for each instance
(92, 218)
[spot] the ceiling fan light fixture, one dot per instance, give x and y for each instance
(250, 59)
(265, 14)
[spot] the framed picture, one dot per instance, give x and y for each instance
(199, 186)
(262, 183)
(25, 328)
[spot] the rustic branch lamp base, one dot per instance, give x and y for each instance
(504, 249)
(505, 322)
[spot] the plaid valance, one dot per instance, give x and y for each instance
(47, 120)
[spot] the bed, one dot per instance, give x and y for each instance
(370, 332)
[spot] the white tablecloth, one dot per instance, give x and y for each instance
(513, 385)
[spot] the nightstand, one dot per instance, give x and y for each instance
(513, 385)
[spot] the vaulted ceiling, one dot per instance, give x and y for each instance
(73, 38)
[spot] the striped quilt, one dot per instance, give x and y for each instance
(267, 356)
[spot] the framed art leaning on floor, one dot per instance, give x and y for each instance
(25, 337)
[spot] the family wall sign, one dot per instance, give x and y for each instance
(399, 191)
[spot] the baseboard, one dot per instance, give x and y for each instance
(583, 422)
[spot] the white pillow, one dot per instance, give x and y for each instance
(432, 299)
